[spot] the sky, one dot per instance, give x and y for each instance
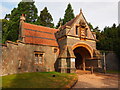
(99, 13)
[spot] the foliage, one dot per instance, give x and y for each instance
(11, 24)
(8, 32)
(45, 18)
(109, 39)
(27, 8)
(90, 25)
(39, 80)
(60, 22)
(68, 14)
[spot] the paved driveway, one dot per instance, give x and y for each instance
(97, 81)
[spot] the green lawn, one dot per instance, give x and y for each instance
(114, 72)
(39, 80)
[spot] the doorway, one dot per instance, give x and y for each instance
(78, 61)
(81, 53)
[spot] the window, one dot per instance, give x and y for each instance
(77, 30)
(86, 32)
(55, 50)
(38, 58)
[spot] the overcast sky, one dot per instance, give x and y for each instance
(99, 13)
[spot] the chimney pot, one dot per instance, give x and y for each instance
(22, 18)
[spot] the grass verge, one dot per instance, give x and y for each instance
(39, 80)
(113, 72)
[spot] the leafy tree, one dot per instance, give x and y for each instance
(109, 39)
(90, 25)
(27, 8)
(11, 28)
(8, 32)
(117, 41)
(59, 22)
(45, 18)
(5, 24)
(68, 14)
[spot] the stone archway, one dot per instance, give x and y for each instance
(81, 52)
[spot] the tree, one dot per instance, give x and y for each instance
(68, 14)
(12, 23)
(5, 25)
(109, 39)
(60, 22)
(45, 19)
(90, 25)
(8, 32)
(27, 8)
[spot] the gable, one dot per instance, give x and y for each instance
(76, 22)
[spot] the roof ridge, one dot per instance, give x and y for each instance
(69, 22)
(40, 26)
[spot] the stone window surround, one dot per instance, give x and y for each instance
(39, 55)
(79, 31)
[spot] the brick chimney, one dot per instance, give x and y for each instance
(21, 33)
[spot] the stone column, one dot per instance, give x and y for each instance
(72, 65)
(63, 65)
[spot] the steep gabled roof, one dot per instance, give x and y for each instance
(73, 21)
(69, 23)
(34, 34)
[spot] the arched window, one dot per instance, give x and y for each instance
(55, 50)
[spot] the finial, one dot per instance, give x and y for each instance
(80, 10)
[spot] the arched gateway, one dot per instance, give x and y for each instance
(77, 44)
(82, 51)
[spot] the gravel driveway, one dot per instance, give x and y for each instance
(97, 81)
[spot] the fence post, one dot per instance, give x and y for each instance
(104, 63)
(91, 69)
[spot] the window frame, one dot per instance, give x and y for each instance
(40, 57)
(76, 30)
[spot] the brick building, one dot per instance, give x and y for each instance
(41, 49)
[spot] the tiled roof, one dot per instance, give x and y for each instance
(35, 34)
(69, 23)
